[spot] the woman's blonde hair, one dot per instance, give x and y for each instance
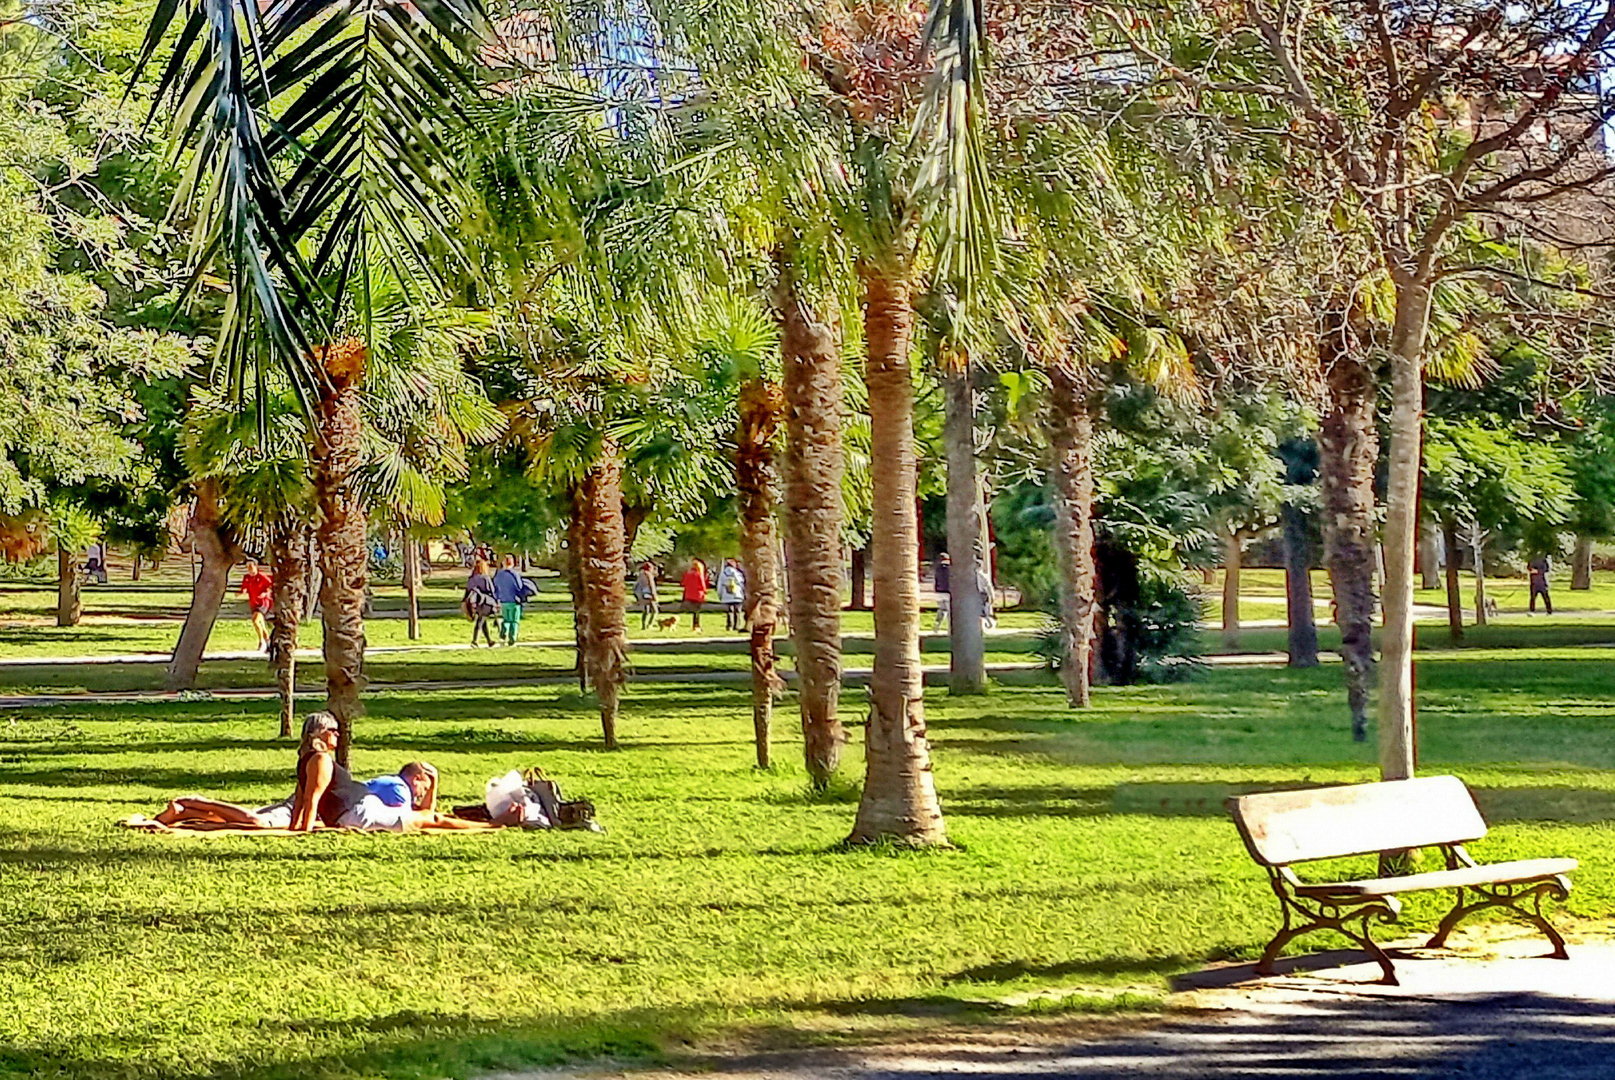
(480, 566)
(314, 727)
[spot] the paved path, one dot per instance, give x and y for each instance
(670, 644)
(1455, 1016)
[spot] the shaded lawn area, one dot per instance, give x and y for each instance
(1093, 853)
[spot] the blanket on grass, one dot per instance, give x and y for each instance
(142, 823)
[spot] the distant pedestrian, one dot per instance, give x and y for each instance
(481, 601)
(259, 589)
(1540, 568)
(732, 595)
(95, 562)
(695, 591)
(984, 586)
(511, 591)
(941, 581)
(645, 595)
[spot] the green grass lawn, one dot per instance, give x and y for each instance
(1093, 855)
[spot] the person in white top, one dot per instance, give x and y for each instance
(732, 595)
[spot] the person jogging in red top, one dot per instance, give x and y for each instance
(259, 589)
(695, 591)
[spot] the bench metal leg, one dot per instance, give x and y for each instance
(1303, 917)
(1513, 897)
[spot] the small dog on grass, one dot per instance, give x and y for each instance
(667, 623)
(1491, 608)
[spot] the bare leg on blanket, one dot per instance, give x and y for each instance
(193, 808)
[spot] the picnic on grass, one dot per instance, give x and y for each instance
(328, 796)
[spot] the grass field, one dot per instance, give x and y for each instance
(1093, 857)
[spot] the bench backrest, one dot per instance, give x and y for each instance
(1283, 827)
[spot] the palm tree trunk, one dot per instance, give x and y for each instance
(1071, 443)
(813, 466)
(602, 568)
(1581, 564)
(859, 560)
(1233, 554)
(576, 540)
(967, 542)
(1455, 600)
(412, 583)
(1398, 739)
(761, 406)
(1303, 636)
(1478, 543)
(288, 554)
(214, 541)
(899, 798)
(337, 451)
(69, 594)
(1348, 448)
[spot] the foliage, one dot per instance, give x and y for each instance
(67, 393)
(1491, 478)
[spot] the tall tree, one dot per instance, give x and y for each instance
(321, 137)
(1420, 119)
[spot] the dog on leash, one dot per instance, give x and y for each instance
(667, 623)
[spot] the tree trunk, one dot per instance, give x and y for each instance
(312, 578)
(967, 541)
(1581, 564)
(1478, 543)
(1455, 600)
(288, 555)
(899, 798)
(1398, 740)
(1429, 555)
(1298, 589)
(412, 583)
(1071, 445)
(576, 541)
(761, 407)
(214, 542)
(69, 588)
(337, 452)
(603, 568)
(1233, 555)
(860, 579)
(813, 465)
(1348, 448)
(134, 566)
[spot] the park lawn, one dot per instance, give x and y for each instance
(1093, 856)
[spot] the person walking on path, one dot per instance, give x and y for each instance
(481, 603)
(645, 595)
(510, 590)
(941, 581)
(1539, 569)
(259, 589)
(732, 595)
(695, 591)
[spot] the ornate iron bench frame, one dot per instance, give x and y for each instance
(1351, 908)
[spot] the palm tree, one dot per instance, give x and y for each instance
(737, 345)
(321, 137)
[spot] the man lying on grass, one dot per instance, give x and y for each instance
(327, 794)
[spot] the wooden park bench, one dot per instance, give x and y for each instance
(1282, 828)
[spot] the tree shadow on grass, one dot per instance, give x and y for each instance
(1109, 967)
(1569, 805)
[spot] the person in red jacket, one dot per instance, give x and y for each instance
(695, 591)
(259, 589)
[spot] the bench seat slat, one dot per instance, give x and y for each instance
(1507, 873)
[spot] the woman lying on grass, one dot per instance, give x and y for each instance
(327, 794)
